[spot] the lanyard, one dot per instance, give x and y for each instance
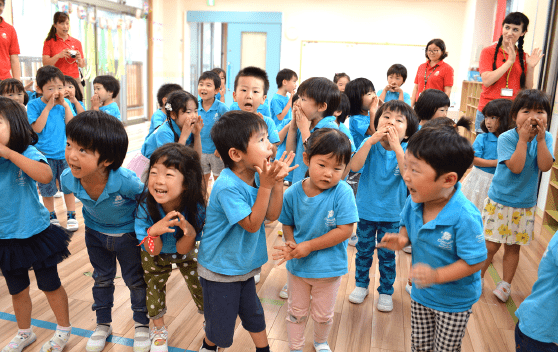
(508, 77)
(426, 70)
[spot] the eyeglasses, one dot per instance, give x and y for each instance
(433, 51)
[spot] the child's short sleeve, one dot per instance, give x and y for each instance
(346, 212)
(272, 134)
(506, 147)
(234, 204)
(469, 241)
(478, 145)
(33, 112)
(360, 124)
(223, 109)
(143, 222)
(405, 213)
(132, 186)
(275, 108)
(548, 139)
(287, 214)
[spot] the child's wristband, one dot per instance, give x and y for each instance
(150, 242)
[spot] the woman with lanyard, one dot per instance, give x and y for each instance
(505, 69)
(61, 50)
(434, 73)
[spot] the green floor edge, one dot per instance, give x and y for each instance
(510, 304)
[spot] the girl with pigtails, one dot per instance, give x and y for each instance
(504, 67)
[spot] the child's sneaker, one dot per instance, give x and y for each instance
(257, 278)
(408, 288)
(57, 342)
(408, 249)
(502, 291)
(142, 340)
(20, 341)
(72, 224)
(98, 339)
(322, 347)
(159, 337)
(284, 292)
(353, 240)
(58, 194)
(53, 219)
(385, 303)
(358, 295)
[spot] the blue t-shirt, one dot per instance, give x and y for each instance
(209, 117)
(74, 106)
(516, 190)
(538, 314)
(162, 135)
(226, 248)
(313, 217)
(52, 139)
(114, 211)
(262, 109)
(486, 147)
(156, 120)
(395, 96)
(22, 214)
(278, 103)
(456, 233)
(112, 109)
(345, 130)
(358, 125)
(272, 133)
(300, 172)
(144, 221)
(381, 190)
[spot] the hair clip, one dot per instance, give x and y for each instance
(168, 107)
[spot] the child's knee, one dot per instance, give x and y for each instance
(296, 319)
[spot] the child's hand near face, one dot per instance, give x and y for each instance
(198, 125)
(284, 163)
(59, 98)
(51, 102)
(380, 134)
(186, 227)
(540, 128)
(302, 121)
(166, 224)
(269, 173)
(393, 138)
(95, 102)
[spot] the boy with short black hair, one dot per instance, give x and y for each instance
(250, 91)
(210, 110)
(106, 90)
(281, 104)
(396, 76)
(233, 246)
(48, 117)
(160, 115)
(96, 147)
(451, 250)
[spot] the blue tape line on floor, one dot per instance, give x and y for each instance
(82, 332)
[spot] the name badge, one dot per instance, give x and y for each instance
(506, 92)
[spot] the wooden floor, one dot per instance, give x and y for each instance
(355, 327)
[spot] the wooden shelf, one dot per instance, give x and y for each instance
(470, 97)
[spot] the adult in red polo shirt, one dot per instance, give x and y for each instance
(9, 49)
(61, 50)
(505, 69)
(434, 73)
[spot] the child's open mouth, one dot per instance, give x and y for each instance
(159, 191)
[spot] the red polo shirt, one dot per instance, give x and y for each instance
(8, 46)
(495, 90)
(68, 66)
(439, 76)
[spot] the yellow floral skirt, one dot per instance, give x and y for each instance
(503, 224)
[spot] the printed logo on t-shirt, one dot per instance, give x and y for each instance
(216, 115)
(396, 171)
(445, 241)
(118, 200)
(20, 179)
(330, 220)
(480, 238)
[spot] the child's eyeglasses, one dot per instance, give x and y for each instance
(433, 51)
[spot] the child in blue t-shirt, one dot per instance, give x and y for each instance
(183, 124)
(432, 103)
(73, 94)
(233, 245)
(106, 90)
(250, 91)
(341, 115)
(96, 147)
(396, 76)
(318, 216)
(210, 110)
(27, 239)
(169, 221)
(223, 89)
(537, 329)
(508, 215)
(445, 229)
(160, 116)
(381, 196)
(318, 99)
(48, 117)
(281, 104)
(497, 121)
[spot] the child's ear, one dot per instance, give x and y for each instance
(284, 83)
(234, 96)
(235, 155)
(305, 159)
(106, 163)
(264, 98)
(164, 101)
(322, 107)
(450, 179)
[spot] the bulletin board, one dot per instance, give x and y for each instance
(368, 60)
